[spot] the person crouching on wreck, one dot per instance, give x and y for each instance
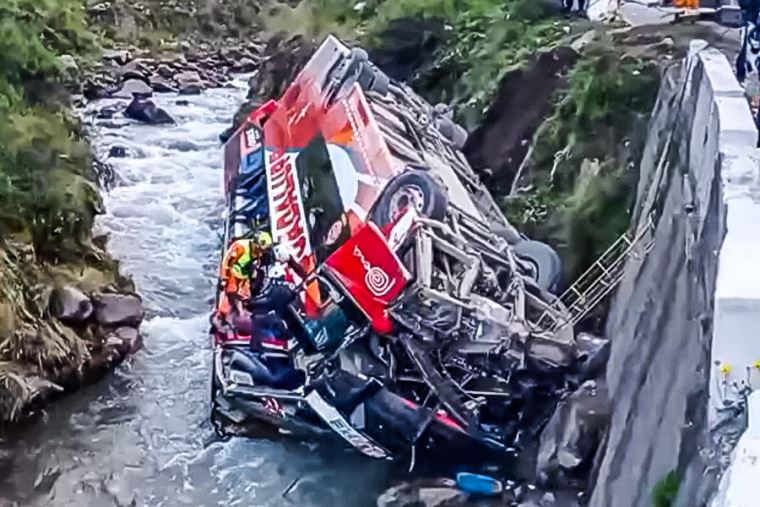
(242, 275)
(242, 271)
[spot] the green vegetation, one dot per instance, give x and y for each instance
(665, 491)
(582, 170)
(486, 38)
(48, 198)
(45, 170)
(482, 39)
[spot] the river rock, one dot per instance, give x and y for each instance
(146, 111)
(572, 436)
(282, 61)
(423, 493)
(107, 113)
(70, 305)
(94, 90)
(131, 337)
(189, 83)
(161, 85)
(117, 152)
(119, 56)
(134, 88)
(68, 66)
(593, 353)
(118, 310)
(244, 65)
(165, 71)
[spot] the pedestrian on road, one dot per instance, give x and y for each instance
(568, 5)
(750, 13)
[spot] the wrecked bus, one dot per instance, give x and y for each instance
(419, 306)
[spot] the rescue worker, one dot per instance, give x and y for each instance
(242, 268)
(687, 4)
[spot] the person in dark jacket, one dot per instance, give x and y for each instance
(750, 13)
(568, 5)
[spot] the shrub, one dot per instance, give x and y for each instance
(608, 97)
(45, 163)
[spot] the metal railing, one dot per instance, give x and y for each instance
(600, 279)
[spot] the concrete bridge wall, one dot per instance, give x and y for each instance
(695, 299)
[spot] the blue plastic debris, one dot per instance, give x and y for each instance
(477, 484)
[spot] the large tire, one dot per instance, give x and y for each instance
(358, 69)
(452, 131)
(546, 262)
(413, 187)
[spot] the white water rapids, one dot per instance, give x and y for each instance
(142, 436)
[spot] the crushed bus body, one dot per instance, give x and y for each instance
(420, 317)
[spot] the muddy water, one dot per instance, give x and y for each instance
(142, 436)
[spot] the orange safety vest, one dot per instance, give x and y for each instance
(687, 4)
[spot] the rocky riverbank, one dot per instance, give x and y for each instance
(68, 317)
(129, 72)
(54, 336)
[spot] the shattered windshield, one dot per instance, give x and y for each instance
(322, 201)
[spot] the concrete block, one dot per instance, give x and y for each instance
(730, 15)
(720, 74)
(737, 128)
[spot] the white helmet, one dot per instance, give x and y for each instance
(281, 252)
(276, 271)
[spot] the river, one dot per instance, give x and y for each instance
(142, 436)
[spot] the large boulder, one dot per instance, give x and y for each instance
(147, 112)
(94, 89)
(283, 59)
(68, 67)
(119, 56)
(245, 64)
(573, 435)
(134, 88)
(131, 337)
(189, 83)
(118, 310)
(160, 84)
(423, 493)
(70, 305)
(593, 353)
(165, 71)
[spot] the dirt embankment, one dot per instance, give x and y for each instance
(498, 147)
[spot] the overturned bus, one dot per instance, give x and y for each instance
(419, 307)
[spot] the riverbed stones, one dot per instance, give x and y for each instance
(160, 84)
(189, 83)
(117, 152)
(119, 56)
(593, 353)
(134, 88)
(94, 89)
(118, 309)
(71, 305)
(165, 71)
(572, 436)
(147, 112)
(131, 337)
(423, 493)
(68, 66)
